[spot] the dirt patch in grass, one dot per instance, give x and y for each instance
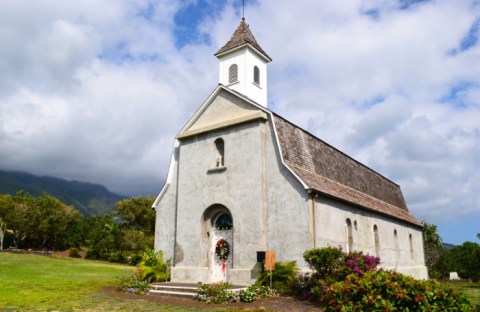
(267, 304)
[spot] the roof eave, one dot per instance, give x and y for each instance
(264, 56)
(312, 190)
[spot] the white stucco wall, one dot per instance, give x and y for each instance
(245, 59)
(165, 213)
(288, 208)
(267, 203)
(331, 230)
(270, 208)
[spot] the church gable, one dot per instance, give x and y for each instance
(223, 109)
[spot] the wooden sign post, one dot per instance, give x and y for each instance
(270, 264)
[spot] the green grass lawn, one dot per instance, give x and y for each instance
(472, 290)
(39, 283)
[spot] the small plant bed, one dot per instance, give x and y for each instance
(223, 292)
(133, 284)
(152, 268)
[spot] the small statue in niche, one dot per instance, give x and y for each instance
(220, 149)
(219, 160)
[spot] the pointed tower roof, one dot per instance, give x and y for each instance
(242, 36)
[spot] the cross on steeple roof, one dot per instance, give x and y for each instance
(240, 37)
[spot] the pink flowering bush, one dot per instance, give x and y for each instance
(390, 291)
(356, 263)
(351, 282)
(332, 264)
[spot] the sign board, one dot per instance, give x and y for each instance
(269, 261)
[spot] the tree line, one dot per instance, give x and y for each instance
(45, 222)
(463, 259)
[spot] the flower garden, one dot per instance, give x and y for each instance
(345, 282)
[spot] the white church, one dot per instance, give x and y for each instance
(244, 180)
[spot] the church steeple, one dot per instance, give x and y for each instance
(243, 65)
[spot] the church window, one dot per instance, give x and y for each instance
(411, 245)
(256, 75)
(233, 73)
(224, 222)
(220, 153)
(376, 241)
(395, 238)
(349, 236)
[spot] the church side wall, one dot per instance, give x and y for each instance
(165, 218)
(287, 207)
(400, 253)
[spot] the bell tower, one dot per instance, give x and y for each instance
(243, 65)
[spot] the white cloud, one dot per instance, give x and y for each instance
(97, 91)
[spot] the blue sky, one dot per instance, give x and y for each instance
(97, 91)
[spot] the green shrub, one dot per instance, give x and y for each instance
(303, 284)
(331, 264)
(261, 291)
(323, 260)
(467, 260)
(74, 252)
(153, 268)
(282, 277)
(390, 291)
(215, 293)
(253, 292)
(132, 283)
(248, 296)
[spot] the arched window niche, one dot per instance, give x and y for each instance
(397, 250)
(349, 236)
(256, 75)
(233, 73)
(410, 238)
(220, 153)
(376, 241)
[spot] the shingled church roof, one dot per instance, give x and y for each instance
(328, 171)
(240, 37)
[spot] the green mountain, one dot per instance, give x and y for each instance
(90, 199)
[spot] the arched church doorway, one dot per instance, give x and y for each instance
(219, 225)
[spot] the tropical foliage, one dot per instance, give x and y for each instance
(331, 264)
(137, 213)
(153, 268)
(254, 292)
(350, 282)
(215, 293)
(390, 291)
(463, 259)
(282, 277)
(432, 244)
(134, 284)
(45, 222)
(36, 222)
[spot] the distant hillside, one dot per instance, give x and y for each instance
(447, 246)
(90, 199)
